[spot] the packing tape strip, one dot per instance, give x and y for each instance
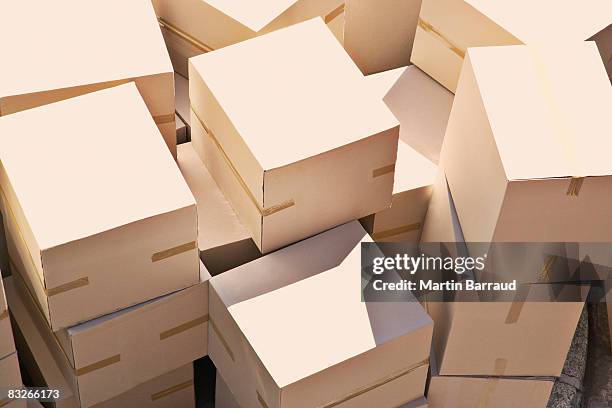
(4, 315)
(98, 365)
(183, 327)
(499, 370)
(171, 390)
(174, 251)
(222, 339)
(263, 211)
(427, 27)
(331, 16)
(164, 119)
(564, 135)
(396, 231)
(383, 170)
(185, 36)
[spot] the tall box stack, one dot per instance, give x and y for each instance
(194, 27)
(10, 376)
(331, 351)
(84, 47)
(378, 34)
(422, 107)
(140, 309)
(291, 132)
(447, 28)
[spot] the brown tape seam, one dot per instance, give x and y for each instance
(574, 187)
(171, 390)
(183, 327)
(383, 170)
(396, 231)
(334, 13)
(75, 284)
(222, 339)
(499, 370)
(185, 36)
(261, 401)
(4, 315)
(432, 30)
(164, 119)
(177, 250)
(98, 365)
(263, 211)
(380, 383)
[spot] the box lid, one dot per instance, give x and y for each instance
(335, 326)
(68, 43)
(95, 174)
(253, 14)
(548, 119)
(548, 20)
(293, 94)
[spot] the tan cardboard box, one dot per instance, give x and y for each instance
(223, 395)
(7, 346)
(299, 156)
(10, 377)
(181, 86)
(223, 241)
(378, 34)
(66, 48)
(95, 228)
(422, 107)
(289, 330)
(522, 153)
(181, 130)
(447, 28)
(229, 22)
(114, 354)
(469, 392)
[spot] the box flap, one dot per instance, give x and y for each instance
(544, 124)
(86, 181)
(301, 95)
(68, 43)
(253, 14)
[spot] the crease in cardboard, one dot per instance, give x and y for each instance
(222, 339)
(427, 27)
(171, 390)
(185, 36)
(337, 12)
(261, 401)
(184, 327)
(177, 250)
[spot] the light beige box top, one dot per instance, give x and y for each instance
(67, 43)
(76, 181)
(253, 14)
(412, 169)
(548, 20)
(548, 119)
(335, 326)
(293, 94)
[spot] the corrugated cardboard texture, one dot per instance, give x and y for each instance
(103, 220)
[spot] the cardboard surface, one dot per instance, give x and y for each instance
(466, 392)
(223, 241)
(77, 53)
(378, 34)
(181, 89)
(281, 176)
(223, 396)
(244, 311)
(48, 365)
(103, 219)
(7, 346)
(230, 22)
(447, 28)
(504, 180)
(10, 376)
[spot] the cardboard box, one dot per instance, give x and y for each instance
(336, 349)
(181, 131)
(90, 237)
(181, 86)
(66, 49)
(111, 355)
(378, 34)
(7, 346)
(10, 377)
(228, 22)
(288, 181)
(224, 243)
(447, 28)
(223, 396)
(422, 107)
(420, 403)
(469, 392)
(523, 153)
